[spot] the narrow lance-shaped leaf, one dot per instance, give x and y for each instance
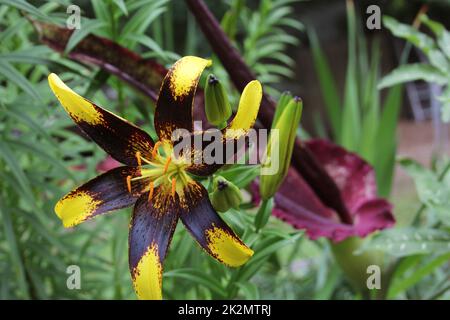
(413, 72)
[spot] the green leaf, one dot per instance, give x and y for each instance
(241, 175)
(13, 246)
(404, 284)
(413, 72)
(419, 39)
(386, 141)
(350, 121)
(198, 276)
(11, 74)
(16, 171)
(249, 290)
(327, 83)
(443, 36)
(25, 6)
(122, 6)
(30, 148)
(401, 242)
(409, 33)
(87, 27)
(433, 192)
(263, 215)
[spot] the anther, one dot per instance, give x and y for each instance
(150, 193)
(174, 185)
(129, 183)
(166, 166)
(155, 148)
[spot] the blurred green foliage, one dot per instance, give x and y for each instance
(42, 157)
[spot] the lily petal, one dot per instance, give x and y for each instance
(176, 97)
(118, 137)
(247, 111)
(234, 134)
(151, 231)
(210, 231)
(104, 193)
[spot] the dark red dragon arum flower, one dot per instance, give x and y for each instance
(297, 204)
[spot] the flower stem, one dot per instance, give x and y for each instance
(355, 266)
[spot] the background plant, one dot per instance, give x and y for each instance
(41, 158)
(358, 119)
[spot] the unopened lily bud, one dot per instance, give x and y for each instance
(282, 138)
(217, 106)
(225, 195)
(284, 100)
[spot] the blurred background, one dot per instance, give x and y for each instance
(320, 50)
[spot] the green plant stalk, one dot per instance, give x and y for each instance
(355, 266)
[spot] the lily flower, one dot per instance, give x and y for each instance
(160, 186)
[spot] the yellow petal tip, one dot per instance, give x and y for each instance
(227, 248)
(75, 207)
(147, 276)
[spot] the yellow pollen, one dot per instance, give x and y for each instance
(150, 193)
(138, 158)
(174, 184)
(166, 166)
(129, 183)
(155, 148)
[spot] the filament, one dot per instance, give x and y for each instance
(174, 185)
(138, 158)
(150, 193)
(155, 148)
(166, 166)
(129, 183)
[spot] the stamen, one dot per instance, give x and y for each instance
(138, 158)
(166, 166)
(129, 183)
(174, 184)
(155, 148)
(150, 193)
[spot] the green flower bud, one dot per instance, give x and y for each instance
(225, 195)
(217, 106)
(286, 126)
(284, 100)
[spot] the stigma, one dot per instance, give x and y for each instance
(162, 171)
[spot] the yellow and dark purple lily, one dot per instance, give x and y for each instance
(161, 187)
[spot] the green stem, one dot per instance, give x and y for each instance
(355, 266)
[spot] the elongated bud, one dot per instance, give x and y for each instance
(284, 100)
(225, 195)
(281, 144)
(217, 106)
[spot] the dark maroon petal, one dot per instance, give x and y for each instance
(104, 193)
(373, 215)
(298, 205)
(209, 230)
(354, 177)
(151, 231)
(144, 74)
(174, 108)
